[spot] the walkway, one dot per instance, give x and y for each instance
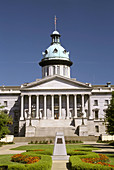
(5, 149)
(60, 165)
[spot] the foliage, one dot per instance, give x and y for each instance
(111, 143)
(110, 116)
(5, 120)
(90, 161)
(72, 141)
(45, 162)
(39, 142)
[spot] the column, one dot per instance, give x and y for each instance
(22, 104)
(83, 110)
(90, 108)
(67, 106)
(37, 106)
(44, 117)
(52, 106)
(29, 106)
(59, 106)
(75, 106)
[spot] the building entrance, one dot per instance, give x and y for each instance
(56, 114)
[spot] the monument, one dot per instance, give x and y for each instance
(59, 152)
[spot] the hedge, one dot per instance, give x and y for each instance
(44, 164)
(77, 164)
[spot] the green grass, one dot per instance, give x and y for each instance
(6, 159)
(111, 157)
(34, 147)
(68, 146)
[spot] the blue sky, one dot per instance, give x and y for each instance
(87, 32)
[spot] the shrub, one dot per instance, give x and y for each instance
(76, 162)
(50, 141)
(111, 143)
(36, 142)
(44, 163)
(72, 141)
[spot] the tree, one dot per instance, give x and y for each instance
(5, 120)
(110, 116)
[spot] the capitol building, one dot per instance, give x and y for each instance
(56, 102)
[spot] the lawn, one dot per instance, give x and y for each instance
(111, 157)
(6, 160)
(41, 146)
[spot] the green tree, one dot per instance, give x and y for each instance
(5, 120)
(110, 116)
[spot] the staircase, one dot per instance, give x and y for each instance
(51, 131)
(50, 127)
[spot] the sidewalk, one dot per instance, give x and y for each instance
(5, 149)
(59, 165)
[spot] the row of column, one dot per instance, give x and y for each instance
(52, 104)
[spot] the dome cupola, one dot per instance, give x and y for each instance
(57, 57)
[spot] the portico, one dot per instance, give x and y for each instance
(53, 106)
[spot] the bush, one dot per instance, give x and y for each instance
(72, 141)
(50, 141)
(76, 162)
(111, 143)
(44, 163)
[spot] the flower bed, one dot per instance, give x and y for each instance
(43, 163)
(101, 160)
(90, 161)
(25, 159)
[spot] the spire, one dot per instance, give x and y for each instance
(55, 35)
(55, 22)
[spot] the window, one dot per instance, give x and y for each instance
(95, 102)
(96, 114)
(47, 71)
(97, 128)
(53, 70)
(64, 70)
(5, 103)
(58, 70)
(55, 50)
(106, 103)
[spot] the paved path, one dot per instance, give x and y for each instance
(5, 149)
(59, 165)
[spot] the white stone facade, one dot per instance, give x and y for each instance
(56, 102)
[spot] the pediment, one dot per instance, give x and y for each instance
(56, 82)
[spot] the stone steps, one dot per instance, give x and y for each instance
(51, 131)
